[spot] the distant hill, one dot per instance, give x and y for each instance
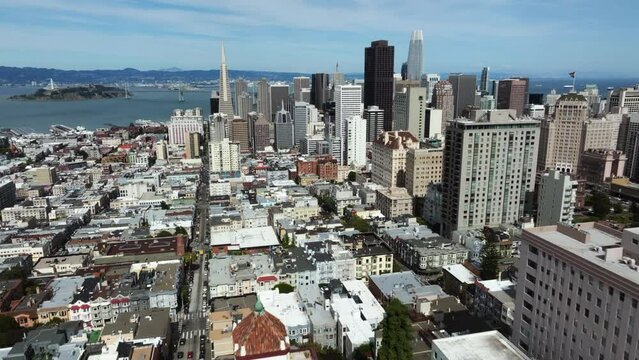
(19, 76)
(73, 93)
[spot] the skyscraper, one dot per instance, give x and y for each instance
(218, 127)
(629, 143)
(428, 81)
(240, 86)
(224, 156)
(557, 198)
(215, 102)
(404, 71)
(374, 122)
(239, 130)
(561, 136)
(279, 98)
(415, 63)
(488, 171)
(283, 129)
(226, 103)
(244, 105)
(319, 90)
(263, 99)
(512, 94)
(444, 99)
(463, 90)
(483, 83)
(410, 107)
(192, 145)
(303, 115)
(299, 83)
(379, 65)
(348, 102)
(261, 133)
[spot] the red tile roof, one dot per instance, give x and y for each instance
(260, 335)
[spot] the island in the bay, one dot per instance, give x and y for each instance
(88, 92)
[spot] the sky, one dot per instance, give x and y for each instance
(524, 37)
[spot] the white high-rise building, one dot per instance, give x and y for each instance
(374, 122)
(488, 172)
(355, 141)
(226, 102)
(304, 114)
(557, 198)
(225, 156)
(578, 292)
(429, 81)
(415, 63)
(348, 102)
(161, 150)
(627, 98)
(184, 122)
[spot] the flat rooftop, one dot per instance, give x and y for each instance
(479, 346)
(592, 243)
(246, 238)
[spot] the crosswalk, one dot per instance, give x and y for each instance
(193, 333)
(194, 316)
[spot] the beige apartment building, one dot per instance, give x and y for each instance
(389, 157)
(423, 167)
(394, 202)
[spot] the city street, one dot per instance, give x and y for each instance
(194, 319)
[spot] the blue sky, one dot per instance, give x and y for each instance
(534, 37)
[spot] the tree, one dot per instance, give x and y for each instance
(600, 204)
(189, 257)
(180, 231)
(489, 256)
(397, 333)
(284, 288)
(618, 209)
(55, 321)
(164, 205)
(351, 176)
(164, 233)
(10, 330)
(358, 223)
(327, 204)
(363, 352)
(286, 242)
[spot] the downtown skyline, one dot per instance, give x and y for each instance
(541, 39)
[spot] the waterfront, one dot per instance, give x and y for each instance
(146, 103)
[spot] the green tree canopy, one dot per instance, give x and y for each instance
(600, 204)
(327, 203)
(358, 223)
(351, 176)
(397, 333)
(9, 330)
(284, 288)
(489, 256)
(180, 230)
(164, 233)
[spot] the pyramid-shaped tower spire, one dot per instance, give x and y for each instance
(222, 55)
(226, 104)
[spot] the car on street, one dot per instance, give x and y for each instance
(190, 356)
(180, 355)
(182, 341)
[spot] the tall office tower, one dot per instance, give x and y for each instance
(240, 86)
(378, 78)
(630, 145)
(444, 99)
(161, 151)
(404, 71)
(279, 98)
(463, 90)
(319, 90)
(601, 133)
(410, 111)
(218, 127)
(224, 156)
(244, 106)
(551, 101)
(192, 142)
(355, 144)
(263, 99)
(624, 98)
(489, 171)
(483, 83)
(283, 129)
(304, 114)
(337, 78)
(374, 122)
(560, 143)
(306, 95)
(557, 198)
(261, 133)
(423, 167)
(389, 157)
(433, 123)
(239, 130)
(226, 102)
(299, 83)
(578, 292)
(348, 102)
(429, 81)
(415, 56)
(184, 122)
(513, 94)
(215, 102)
